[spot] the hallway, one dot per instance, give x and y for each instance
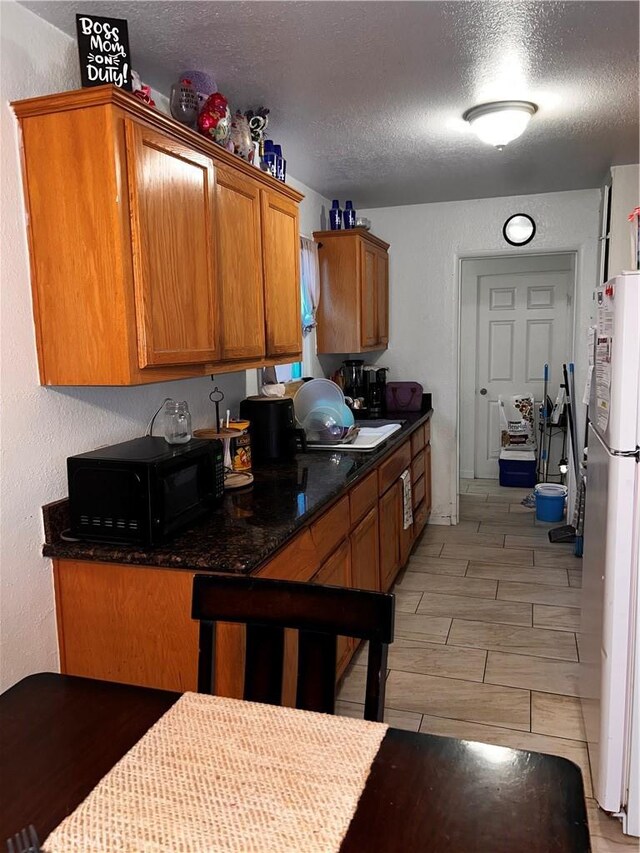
(485, 645)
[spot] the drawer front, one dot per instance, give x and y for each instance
(417, 440)
(391, 469)
(427, 432)
(362, 497)
(420, 516)
(331, 528)
(298, 561)
(417, 466)
(418, 491)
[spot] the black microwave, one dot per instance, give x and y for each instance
(143, 492)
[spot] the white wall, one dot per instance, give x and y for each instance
(427, 243)
(40, 426)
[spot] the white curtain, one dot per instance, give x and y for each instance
(310, 283)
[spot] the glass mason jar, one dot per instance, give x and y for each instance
(177, 422)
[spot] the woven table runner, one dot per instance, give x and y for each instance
(216, 774)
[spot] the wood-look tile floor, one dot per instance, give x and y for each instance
(486, 649)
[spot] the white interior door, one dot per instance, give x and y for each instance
(522, 308)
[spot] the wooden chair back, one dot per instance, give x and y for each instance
(319, 613)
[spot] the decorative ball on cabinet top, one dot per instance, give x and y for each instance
(203, 83)
(241, 136)
(215, 119)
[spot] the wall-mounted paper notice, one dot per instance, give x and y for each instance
(103, 45)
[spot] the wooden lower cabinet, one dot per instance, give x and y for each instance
(365, 553)
(407, 537)
(427, 478)
(389, 515)
(132, 623)
(126, 623)
(337, 572)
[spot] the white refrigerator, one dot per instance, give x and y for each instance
(609, 636)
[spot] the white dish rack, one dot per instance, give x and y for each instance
(368, 438)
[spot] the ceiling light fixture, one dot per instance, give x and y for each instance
(500, 122)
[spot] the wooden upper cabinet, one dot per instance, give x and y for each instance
(382, 297)
(155, 254)
(353, 315)
(281, 259)
(368, 297)
(239, 257)
(171, 189)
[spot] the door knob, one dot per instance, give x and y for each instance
(483, 391)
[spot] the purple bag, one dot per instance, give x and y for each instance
(404, 397)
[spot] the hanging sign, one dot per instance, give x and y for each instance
(103, 45)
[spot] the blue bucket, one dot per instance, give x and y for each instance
(550, 500)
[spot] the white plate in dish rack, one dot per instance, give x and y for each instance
(367, 439)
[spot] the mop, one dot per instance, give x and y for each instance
(572, 532)
(542, 462)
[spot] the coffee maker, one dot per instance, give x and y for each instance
(353, 377)
(376, 391)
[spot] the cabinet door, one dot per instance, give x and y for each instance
(382, 297)
(389, 516)
(427, 477)
(239, 259)
(365, 558)
(337, 572)
(172, 208)
(368, 298)
(406, 535)
(281, 258)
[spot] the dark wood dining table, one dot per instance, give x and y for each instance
(59, 735)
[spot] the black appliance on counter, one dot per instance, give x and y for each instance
(376, 391)
(273, 432)
(144, 491)
(353, 376)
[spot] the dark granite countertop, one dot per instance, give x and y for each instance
(250, 525)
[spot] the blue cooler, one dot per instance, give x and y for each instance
(517, 468)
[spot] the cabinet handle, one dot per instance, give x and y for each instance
(483, 391)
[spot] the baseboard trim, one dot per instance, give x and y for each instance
(440, 519)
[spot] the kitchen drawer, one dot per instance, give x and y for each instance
(417, 466)
(331, 528)
(362, 497)
(420, 516)
(298, 561)
(417, 440)
(427, 432)
(391, 469)
(418, 491)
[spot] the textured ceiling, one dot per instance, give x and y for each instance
(367, 97)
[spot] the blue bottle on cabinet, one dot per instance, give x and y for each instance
(269, 158)
(349, 216)
(281, 164)
(335, 216)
